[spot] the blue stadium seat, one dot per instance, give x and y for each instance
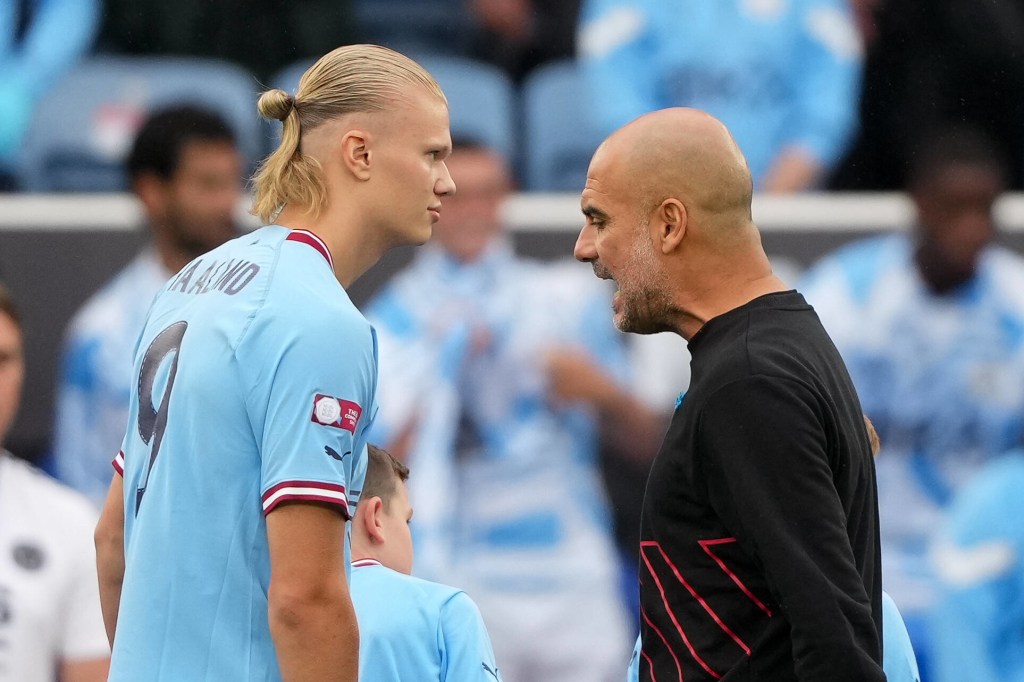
(557, 129)
(481, 98)
(84, 127)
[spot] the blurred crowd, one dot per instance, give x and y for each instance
(833, 94)
(503, 378)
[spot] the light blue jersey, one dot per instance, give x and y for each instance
(941, 377)
(255, 384)
(779, 73)
(980, 556)
(412, 630)
(95, 379)
(899, 662)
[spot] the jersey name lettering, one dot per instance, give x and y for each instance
(228, 276)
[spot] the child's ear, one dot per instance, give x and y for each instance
(372, 519)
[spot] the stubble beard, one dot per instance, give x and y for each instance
(644, 303)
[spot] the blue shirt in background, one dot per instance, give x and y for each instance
(57, 33)
(778, 73)
(979, 617)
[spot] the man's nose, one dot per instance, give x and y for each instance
(585, 251)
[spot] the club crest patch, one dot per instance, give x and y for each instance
(331, 411)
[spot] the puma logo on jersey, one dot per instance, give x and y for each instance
(331, 452)
(492, 671)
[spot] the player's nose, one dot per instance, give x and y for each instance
(445, 186)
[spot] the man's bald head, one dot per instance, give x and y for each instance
(667, 209)
(679, 153)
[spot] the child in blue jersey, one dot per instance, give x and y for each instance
(220, 544)
(411, 630)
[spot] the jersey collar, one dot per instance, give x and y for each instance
(360, 563)
(307, 237)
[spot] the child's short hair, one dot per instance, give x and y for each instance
(382, 473)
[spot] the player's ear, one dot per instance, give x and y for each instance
(373, 518)
(670, 218)
(355, 153)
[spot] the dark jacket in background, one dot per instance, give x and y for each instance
(261, 35)
(932, 64)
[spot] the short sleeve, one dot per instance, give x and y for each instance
(466, 651)
(83, 636)
(312, 376)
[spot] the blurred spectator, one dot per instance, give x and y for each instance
(519, 35)
(39, 41)
(496, 376)
(929, 64)
(186, 171)
(980, 559)
(931, 325)
(261, 35)
(50, 622)
(783, 75)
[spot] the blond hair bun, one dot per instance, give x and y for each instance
(275, 104)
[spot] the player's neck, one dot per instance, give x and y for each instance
(352, 247)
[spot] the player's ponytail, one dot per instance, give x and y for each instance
(286, 176)
(352, 78)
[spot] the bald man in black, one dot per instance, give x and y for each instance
(759, 556)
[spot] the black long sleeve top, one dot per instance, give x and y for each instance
(760, 555)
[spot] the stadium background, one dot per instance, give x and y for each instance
(71, 225)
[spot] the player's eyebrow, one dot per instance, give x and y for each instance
(594, 213)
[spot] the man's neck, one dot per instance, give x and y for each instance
(936, 272)
(694, 310)
(171, 258)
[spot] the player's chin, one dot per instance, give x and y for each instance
(422, 235)
(414, 236)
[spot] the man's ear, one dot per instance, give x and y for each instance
(355, 153)
(670, 218)
(371, 519)
(151, 190)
